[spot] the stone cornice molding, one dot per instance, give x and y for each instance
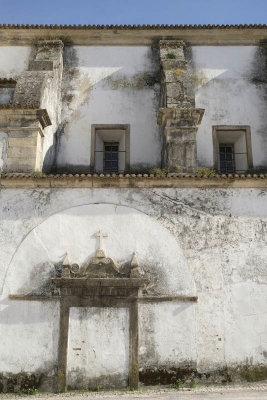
(171, 44)
(49, 44)
(15, 112)
(134, 35)
(10, 83)
(141, 181)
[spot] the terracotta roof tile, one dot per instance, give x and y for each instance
(138, 27)
(133, 176)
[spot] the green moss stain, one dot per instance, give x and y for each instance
(177, 72)
(250, 373)
(170, 56)
(137, 81)
(23, 382)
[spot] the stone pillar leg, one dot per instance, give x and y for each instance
(24, 129)
(180, 129)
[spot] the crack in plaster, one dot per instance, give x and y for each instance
(166, 197)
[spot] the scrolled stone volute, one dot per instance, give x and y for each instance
(103, 267)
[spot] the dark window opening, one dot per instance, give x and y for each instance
(111, 156)
(227, 158)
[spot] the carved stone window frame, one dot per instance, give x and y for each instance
(95, 127)
(235, 128)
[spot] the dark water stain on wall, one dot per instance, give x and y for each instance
(27, 382)
(258, 77)
(69, 79)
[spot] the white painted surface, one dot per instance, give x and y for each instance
(214, 237)
(225, 88)
(29, 336)
(51, 101)
(106, 90)
(13, 60)
(104, 85)
(172, 334)
(98, 349)
(73, 230)
(246, 316)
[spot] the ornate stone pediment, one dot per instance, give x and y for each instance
(100, 266)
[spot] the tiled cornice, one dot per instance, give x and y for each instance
(131, 181)
(158, 26)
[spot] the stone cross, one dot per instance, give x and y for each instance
(100, 252)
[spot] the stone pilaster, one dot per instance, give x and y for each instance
(179, 117)
(180, 129)
(31, 121)
(24, 128)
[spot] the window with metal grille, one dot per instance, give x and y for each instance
(232, 151)
(111, 156)
(227, 158)
(110, 148)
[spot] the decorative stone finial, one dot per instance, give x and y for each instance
(134, 267)
(65, 272)
(66, 260)
(68, 269)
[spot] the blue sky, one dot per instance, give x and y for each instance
(133, 11)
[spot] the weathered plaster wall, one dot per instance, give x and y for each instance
(217, 235)
(109, 85)
(14, 60)
(168, 338)
(120, 85)
(231, 85)
(98, 349)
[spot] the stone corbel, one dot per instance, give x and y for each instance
(176, 117)
(46, 66)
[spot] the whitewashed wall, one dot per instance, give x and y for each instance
(98, 348)
(108, 85)
(213, 245)
(230, 87)
(13, 60)
(119, 85)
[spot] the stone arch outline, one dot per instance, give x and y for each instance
(77, 206)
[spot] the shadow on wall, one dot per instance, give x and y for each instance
(69, 78)
(231, 85)
(128, 231)
(247, 63)
(83, 76)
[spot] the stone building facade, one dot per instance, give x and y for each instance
(133, 205)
